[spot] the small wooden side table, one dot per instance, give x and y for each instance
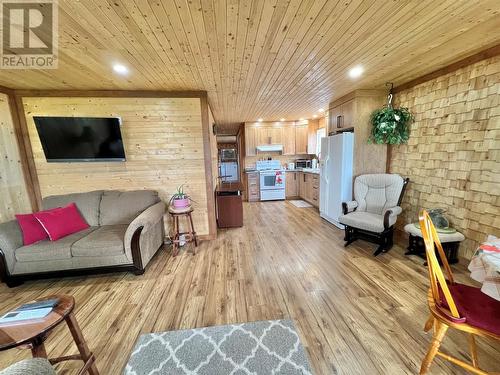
(32, 334)
(190, 235)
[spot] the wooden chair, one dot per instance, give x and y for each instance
(454, 305)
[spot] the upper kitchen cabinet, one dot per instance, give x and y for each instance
(301, 139)
(269, 135)
(353, 111)
(289, 139)
(312, 130)
(250, 141)
(342, 116)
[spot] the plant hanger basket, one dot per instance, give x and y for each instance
(390, 125)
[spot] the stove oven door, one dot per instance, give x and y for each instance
(268, 180)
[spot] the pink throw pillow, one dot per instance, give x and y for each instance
(31, 228)
(61, 222)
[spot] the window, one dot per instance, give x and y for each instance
(320, 133)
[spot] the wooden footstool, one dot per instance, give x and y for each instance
(450, 242)
(190, 235)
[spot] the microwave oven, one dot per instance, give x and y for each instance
(302, 163)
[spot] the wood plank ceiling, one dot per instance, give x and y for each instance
(259, 58)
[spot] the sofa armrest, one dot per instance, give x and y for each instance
(140, 226)
(11, 238)
(391, 215)
(349, 206)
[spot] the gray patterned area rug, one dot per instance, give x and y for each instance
(258, 348)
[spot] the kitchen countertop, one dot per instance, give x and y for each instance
(304, 170)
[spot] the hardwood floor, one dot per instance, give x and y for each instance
(356, 314)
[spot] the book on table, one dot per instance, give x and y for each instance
(30, 311)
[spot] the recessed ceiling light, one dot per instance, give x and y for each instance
(321, 110)
(356, 71)
(260, 120)
(314, 116)
(120, 69)
(301, 119)
(282, 119)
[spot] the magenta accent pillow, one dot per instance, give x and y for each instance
(31, 228)
(62, 221)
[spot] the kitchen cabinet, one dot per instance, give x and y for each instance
(289, 141)
(347, 110)
(301, 139)
(253, 188)
(302, 185)
(342, 116)
(312, 129)
(315, 190)
(292, 184)
(250, 141)
(269, 135)
(309, 187)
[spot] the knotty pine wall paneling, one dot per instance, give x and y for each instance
(453, 154)
(14, 196)
(163, 141)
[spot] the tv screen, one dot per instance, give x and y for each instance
(80, 138)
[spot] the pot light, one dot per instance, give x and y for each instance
(120, 69)
(260, 120)
(321, 110)
(314, 116)
(301, 119)
(282, 119)
(356, 71)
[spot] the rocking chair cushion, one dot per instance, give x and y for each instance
(479, 309)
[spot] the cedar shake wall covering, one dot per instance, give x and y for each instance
(453, 155)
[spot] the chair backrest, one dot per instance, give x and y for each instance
(439, 285)
(376, 192)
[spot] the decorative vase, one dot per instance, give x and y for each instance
(180, 203)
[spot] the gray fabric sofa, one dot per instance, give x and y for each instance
(32, 366)
(126, 230)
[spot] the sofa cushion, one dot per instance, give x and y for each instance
(121, 207)
(50, 250)
(105, 241)
(61, 222)
(87, 203)
(32, 230)
(365, 220)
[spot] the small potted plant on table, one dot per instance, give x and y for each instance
(180, 199)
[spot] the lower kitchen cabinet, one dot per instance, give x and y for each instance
(292, 184)
(309, 187)
(252, 188)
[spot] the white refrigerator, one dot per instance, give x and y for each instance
(336, 169)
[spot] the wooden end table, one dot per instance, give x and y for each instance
(190, 234)
(31, 334)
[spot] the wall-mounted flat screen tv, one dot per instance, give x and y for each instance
(77, 139)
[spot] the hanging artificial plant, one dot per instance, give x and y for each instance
(390, 125)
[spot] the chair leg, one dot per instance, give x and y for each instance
(429, 323)
(193, 233)
(175, 243)
(434, 347)
(379, 250)
(473, 350)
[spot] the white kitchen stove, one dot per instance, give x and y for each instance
(272, 180)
